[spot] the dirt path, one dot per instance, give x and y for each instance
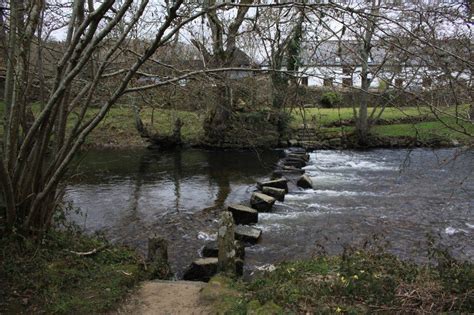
(167, 297)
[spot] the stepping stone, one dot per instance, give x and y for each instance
(296, 162)
(277, 193)
(262, 202)
(243, 214)
(296, 150)
(305, 182)
(247, 234)
(277, 183)
(303, 156)
(211, 249)
(201, 269)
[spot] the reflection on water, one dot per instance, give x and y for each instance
(403, 195)
(131, 194)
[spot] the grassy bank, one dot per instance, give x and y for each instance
(56, 276)
(118, 129)
(425, 126)
(357, 282)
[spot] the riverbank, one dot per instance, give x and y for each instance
(405, 127)
(66, 273)
(359, 281)
(62, 275)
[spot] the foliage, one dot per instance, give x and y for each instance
(362, 281)
(330, 99)
(47, 276)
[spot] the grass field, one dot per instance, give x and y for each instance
(118, 128)
(323, 116)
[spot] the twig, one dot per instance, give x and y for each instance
(92, 252)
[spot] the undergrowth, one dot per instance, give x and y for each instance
(364, 281)
(61, 274)
(367, 280)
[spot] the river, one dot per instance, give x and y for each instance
(401, 198)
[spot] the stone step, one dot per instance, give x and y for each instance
(295, 162)
(247, 234)
(276, 183)
(303, 156)
(305, 182)
(243, 214)
(281, 172)
(295, 150)
(201, 269)
(262, 202)
(277, 193)
(211, 249)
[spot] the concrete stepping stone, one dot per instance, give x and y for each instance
(201, 269)
(284, 171)
(295, 150)
(276, 183)
(211, 249)
(247, 234)
(295, 162)
(277, 193)
(243, 214)
(305, 182)
(303, 156)
(262, 202)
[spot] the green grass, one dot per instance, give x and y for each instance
(363, 281)
(426, 130)
(324, 116)
(119, 125)
(118, 128)
(48, 277)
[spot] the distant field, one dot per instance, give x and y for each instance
(323, 116)
(118, 128)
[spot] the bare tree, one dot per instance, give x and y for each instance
(221, 53)
(38, 147)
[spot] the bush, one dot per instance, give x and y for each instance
(330, 99)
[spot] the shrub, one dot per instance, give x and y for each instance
(330, 99)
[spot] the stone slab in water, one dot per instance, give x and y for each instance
(247, 234)
(243, 214)
(211, 249)
(201, 269)
(262, 202)
(297, 150)
(277, 193)
(295, 162)
(305, 182)
(277, 183)
(287, 172)
(304, 156)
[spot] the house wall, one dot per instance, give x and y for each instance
(413, 76)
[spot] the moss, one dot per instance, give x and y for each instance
(224, 296)
(255, 308)
(47, 276)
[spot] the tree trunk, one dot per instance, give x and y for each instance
(218, 120)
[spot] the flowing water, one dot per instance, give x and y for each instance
(399, 196)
